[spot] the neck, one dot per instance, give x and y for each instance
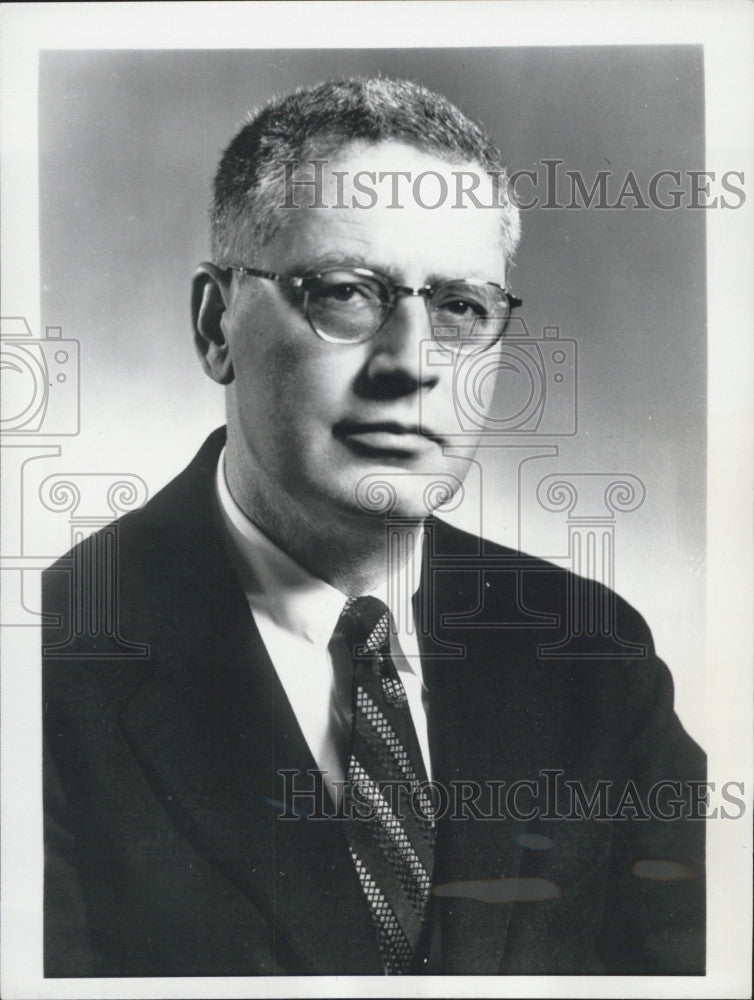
(353, 552)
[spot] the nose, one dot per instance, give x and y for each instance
(396, 363)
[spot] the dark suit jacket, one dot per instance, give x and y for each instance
(165, 850)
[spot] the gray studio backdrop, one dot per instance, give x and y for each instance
(129, 141)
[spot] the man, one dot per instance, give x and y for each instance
(347, 750)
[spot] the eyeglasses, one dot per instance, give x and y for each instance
(349, 305)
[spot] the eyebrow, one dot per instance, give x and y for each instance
(338, 260)
(324, 261)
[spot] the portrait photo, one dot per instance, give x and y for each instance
(376, 560)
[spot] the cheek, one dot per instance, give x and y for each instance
(292, 397)
(269, 376)
(313, 379)
(288, 380)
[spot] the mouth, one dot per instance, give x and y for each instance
(385, 437)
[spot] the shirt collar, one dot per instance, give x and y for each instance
(294, 598)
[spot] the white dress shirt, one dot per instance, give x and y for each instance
(296, 614)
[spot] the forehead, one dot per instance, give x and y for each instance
(392, 207)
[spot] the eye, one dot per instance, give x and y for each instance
(464, 307)
(343, 288)
(341, 292)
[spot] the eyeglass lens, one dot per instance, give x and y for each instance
(346, 306)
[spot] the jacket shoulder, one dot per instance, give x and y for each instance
(133, 579)
(544, 584)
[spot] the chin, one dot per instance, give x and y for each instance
(384, 495)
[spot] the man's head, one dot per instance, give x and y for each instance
(320, 121)
(313, 421)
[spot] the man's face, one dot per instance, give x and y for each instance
(311, 423)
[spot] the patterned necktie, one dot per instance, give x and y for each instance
(390, 827)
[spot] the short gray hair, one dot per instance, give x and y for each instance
(321, 120)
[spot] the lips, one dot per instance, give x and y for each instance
(383, 436)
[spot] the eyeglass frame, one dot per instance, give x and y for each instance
(394, 291)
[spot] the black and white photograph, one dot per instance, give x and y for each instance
(376, 466)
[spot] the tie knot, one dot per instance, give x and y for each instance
(365, 624)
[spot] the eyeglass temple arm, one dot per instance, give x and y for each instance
(255, 272)
(289, 279)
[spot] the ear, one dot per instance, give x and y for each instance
(210, 296)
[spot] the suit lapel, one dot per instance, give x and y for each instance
(213, 742)
(470, 744)
(212, 727)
